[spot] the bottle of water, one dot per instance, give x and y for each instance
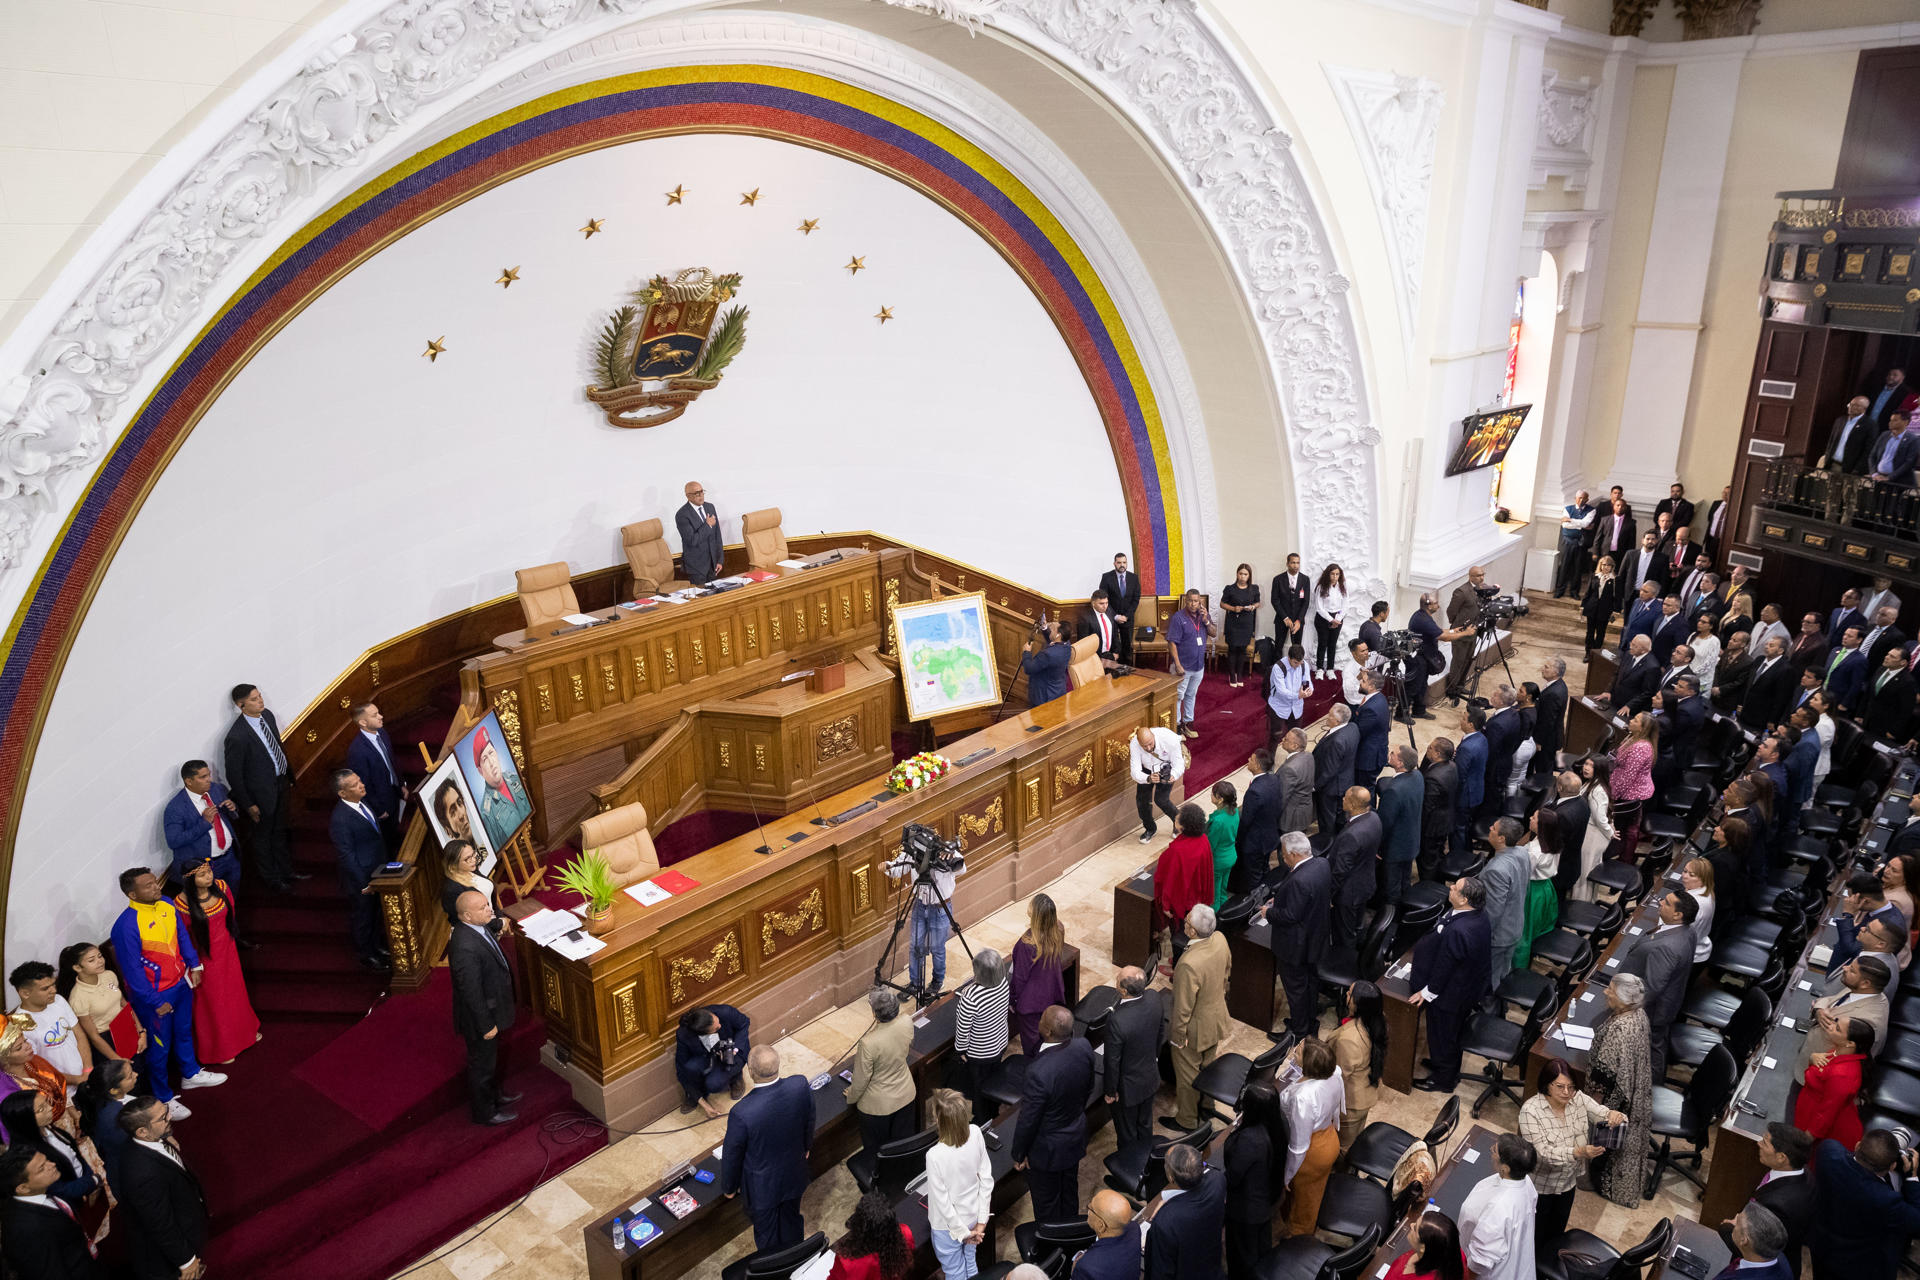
(619, 1236)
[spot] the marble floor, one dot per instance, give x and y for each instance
(540, 1239)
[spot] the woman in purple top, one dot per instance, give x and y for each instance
(1036, 970)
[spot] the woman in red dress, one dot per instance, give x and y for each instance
(224, 1022)
(1183, 878)
(1829, 1101)
(1436, 1252)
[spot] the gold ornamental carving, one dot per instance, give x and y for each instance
(866, 602)
(846, 608)
(726, 644)
(666, 656)
(753, 638)
(825, 622)
(313, 735)
(406, 948)
(773, 627)
(1882, 219)
(346, 703)
(1629, 16)
(609, 681)
(545, 694)
(861, 898)
(836, 738)
(1118, 750)
(726, 755)
(579, 686)
(625, 1010)
(725, 952)
(811, 915)
(1078, 776)
(800, 622)
(1913, 295)
(550, 986)
(640, 671)
(886, 623)
(989, 823)
(1819, 291)
(759, 757)
(373, 669)
(699, 652)
(1033, 799)
(506, 705)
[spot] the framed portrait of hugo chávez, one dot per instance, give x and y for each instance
(946, 655)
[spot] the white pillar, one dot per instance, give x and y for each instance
(1673, 285)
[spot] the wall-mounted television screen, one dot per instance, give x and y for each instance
(1486, 437)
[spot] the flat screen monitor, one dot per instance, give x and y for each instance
(1486, 437)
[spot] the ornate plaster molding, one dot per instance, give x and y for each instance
(1563, 138)
(1395, 121)
(382, 70)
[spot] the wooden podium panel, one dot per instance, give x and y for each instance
(793, 928)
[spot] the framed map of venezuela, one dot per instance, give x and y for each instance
(946, 655)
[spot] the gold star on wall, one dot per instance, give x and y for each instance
(435, 349)
(808, 227)
(856, 266)
(750, 197)
(593, 227)
(678, 194)
(507, 276)
(885, 314)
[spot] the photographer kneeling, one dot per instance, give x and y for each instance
(1156, 758)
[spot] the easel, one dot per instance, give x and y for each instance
(525, 868)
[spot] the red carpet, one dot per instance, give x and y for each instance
(1233, 722)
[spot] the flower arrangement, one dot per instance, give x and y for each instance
(917, 771)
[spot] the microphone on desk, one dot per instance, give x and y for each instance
(760, 830)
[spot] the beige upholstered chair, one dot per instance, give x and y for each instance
(766, 545)
(650, 558)
(546, 594)
(621, 837)
(1085, 666)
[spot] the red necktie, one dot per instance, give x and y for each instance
(219, 827)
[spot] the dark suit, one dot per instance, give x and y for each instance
(1847, 448)
(1047, 673)
(1639, 618)
(701, 1070)
(1123, 602)
(1290, 597)
(260, 781)
(1707, 537)
(1598, 606)
(1549, 726)
(1731, 678)
(1906, 456)
(1875, 647)
(1470, 760)
(1296, 779)
(1906, 839)
(1455, 962)
(362, 850)
(1883, 400)
(1185, 1241)
(1504, 731)
(1089, 625)
(166, 1213)
(1634, 683)
(1051, 1135)
(1631, 575)
(1333, 758)
(1135, 1031)
(1839, 619)
(1427, 659)
(1442, 792)
(1808, 651)
(1680, 721)
(1860, 1223)
(1681, 509)
(190, 836)
(701, 551)
(1572, 815)
(1768, 695)
(769, 1134)
(1604, 543)
(1252, 1191)
(1374, 719)
(1889, 707)
(382, 776)
(1664, 958)
(1351, 856)
(1401, 796)
(1670, 631)
(1258, 834)
(482, 1002)
(45, 1244)
(1115, 1258)
(1301, 918)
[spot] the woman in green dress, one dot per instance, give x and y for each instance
(1223, 827)
(1543, 907)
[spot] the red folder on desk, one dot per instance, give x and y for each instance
(674, 882)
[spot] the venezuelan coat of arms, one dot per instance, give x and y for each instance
(658, 353)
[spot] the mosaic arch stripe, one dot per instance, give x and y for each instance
(793, 106)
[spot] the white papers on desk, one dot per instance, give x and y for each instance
(1768, 1064)
(1819, 956)
(646, 893)
(1614, 963)
(544, 926)
(1577, 1037)
(1402, 972)
(792, 564)
(1788, 1023)
(737, 580)
(1805, 985)
(580, 619)
(1635, 931)
(921, 1022)
(1469, 1156)
(576, 948)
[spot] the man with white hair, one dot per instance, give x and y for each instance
(1200, 1021)
(769, 1137)
(1301, 914)
(1549, 717)
(1575, 527)
(1333, 761)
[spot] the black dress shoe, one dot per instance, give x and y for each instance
(1423, 715)
(500, 1117)
(505, 1098)
(1168, 1122)
(247, 944)
(373, 964)
(1428, 1084)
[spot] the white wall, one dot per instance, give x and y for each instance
(343, 489)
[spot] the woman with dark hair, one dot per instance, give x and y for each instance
(1223, 831)
(1597, 773)
(1360, 1048)
(24, 1071)
(1037, 959)
(878, 1246)
(28, 1118)
(1899, 878)
(1633, 782)
(1542, 907)
(1829, 1101)
(93, 993)
(460, 864)
(1329, 609)
(1183, 878)
(1558, 1121)
(101, 1099)
(224, 1022)
(1313, 1105)
(1436, 1251)
(1239, 602)
(1256, 1158)
(1729, 853)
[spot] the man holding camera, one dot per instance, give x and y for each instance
(1463, 618)
(1867, 1206)
(930, 924)
(1156, 758)
(1426, 661)
(1049, 653)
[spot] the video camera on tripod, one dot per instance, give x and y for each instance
(1397, 649)
(1496, 609)
(922, 846)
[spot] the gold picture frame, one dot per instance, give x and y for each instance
(958, 631)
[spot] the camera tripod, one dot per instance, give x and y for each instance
(1400, 696)
(922, 875)
(1488, 637)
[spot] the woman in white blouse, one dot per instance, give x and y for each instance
(959, 1185)
(1313, 1105)
(1329, 610)
(1706, 649)
(1597, 770)
(1697, 880)
(1823, 728)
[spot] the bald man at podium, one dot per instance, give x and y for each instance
(699, 525)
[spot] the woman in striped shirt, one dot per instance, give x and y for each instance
(980, 1027)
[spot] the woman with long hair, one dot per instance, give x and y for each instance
(1731, 853)
(1541, 911)
(224, 1022)
(1360, 1048)
(1313, 1104)
(92, 991)
(1824, 729)
(877, 1246)
(1223, 829)
(1289, 685)
(1601, 602)
(1738, 617)
(1829, 1102)
(1183, 877)
(1900, 879)
(1436, 1248)
(1256, 1155)
(1037, 958)
(959, 1185)
(28, 1119)
(100, 1100)
(1329, 610)
(1557, 1120)
(460, 867)
(1697, 879)
(1597, 773)
(1633, 782)
(1240, 602)
(1706, 651)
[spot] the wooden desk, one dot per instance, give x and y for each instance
(1603, 665)
(1588, 724)
(794, 932)
(1133, 918)
(1586, 1005)
(1405, 1026)
(1702, 1241)
(1250, 997)
(1470, 1164)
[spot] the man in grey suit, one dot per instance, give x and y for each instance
(699, 526)
(1505, 877)
(1664, 960)
(1296, 776)
(1136, 1029)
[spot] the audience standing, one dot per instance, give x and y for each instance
(262, 786)
(882, 1088)
(1050, 1137)
(161, 968)
(1449, 979)
(1558, 1121)
(980, 1030)
(1135, 1031)
(1038, 983)
(1620, 1078)
(1200, 1020)
(769, 1137)
(959, 1185)
(1185, 1240)
(166, 1211)
(224, 1023)
(1301, 918)
(1497, 1220)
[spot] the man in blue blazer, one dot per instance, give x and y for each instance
(1861, 1223)
(1375, 721)
(370, 754)
(1896, 454)
(199, 822)
(1847, 615)
(1184, 1243)
(1680, 712)
(1505, 731)
(769, 1137)
(1450, 977)
(362, 850)
(1845, 670)
(1050, 1139)
(701, 551)
(1642, 616)
(1402, 796)
(1470, 762)
(1353, 856)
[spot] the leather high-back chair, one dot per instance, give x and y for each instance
(546, 593)
(621, 837)
(766, 545)
(1084, 667)
(648, 556)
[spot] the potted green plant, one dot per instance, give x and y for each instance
(591, 877)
